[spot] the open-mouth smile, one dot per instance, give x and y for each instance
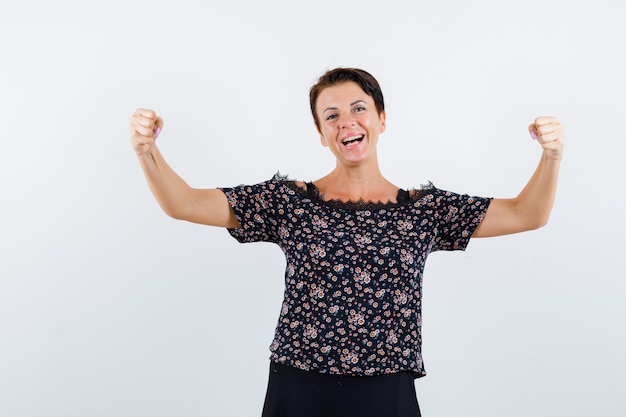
(352, 140)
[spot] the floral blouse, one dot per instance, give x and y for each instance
(353, 280)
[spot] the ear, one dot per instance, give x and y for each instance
(383, 121)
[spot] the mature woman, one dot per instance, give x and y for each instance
(348, 339)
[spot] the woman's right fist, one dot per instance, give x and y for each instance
(145, 127)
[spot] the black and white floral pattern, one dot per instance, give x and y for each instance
(353, 281)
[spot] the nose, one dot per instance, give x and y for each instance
(346, 120)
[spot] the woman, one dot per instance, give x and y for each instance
(348, 339)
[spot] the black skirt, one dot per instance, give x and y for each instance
(295, 393)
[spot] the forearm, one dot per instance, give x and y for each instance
(172, 193)
(534, 203)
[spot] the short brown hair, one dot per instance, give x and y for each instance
(341, 75)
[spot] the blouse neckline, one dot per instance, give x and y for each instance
(311, 191)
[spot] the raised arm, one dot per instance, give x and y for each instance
(174, 195)
(531, 208)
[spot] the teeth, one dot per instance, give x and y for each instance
(352, 139)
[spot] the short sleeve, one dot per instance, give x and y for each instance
(459, 215)
(255, 208)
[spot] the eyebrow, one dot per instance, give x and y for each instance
(351, 104)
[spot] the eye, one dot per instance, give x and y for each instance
(359, 109)
(331, 116)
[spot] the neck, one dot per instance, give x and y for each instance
(356, 183)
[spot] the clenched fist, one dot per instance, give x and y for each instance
(550, 135)
(145, 127)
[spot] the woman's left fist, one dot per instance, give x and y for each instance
(549, 132)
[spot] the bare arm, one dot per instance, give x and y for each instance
(531, 208)
(174, 195)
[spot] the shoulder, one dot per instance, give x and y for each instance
(426, 191)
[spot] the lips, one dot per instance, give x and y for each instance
(352, 140)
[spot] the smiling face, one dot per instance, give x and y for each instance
(349, 123)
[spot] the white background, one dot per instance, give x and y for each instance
(110, 308)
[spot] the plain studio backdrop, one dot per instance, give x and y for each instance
(110, 308)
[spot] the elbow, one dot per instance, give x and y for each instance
(178, 207)
(538, 223)
(532, 217)
(174, 215)
(173, 211)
